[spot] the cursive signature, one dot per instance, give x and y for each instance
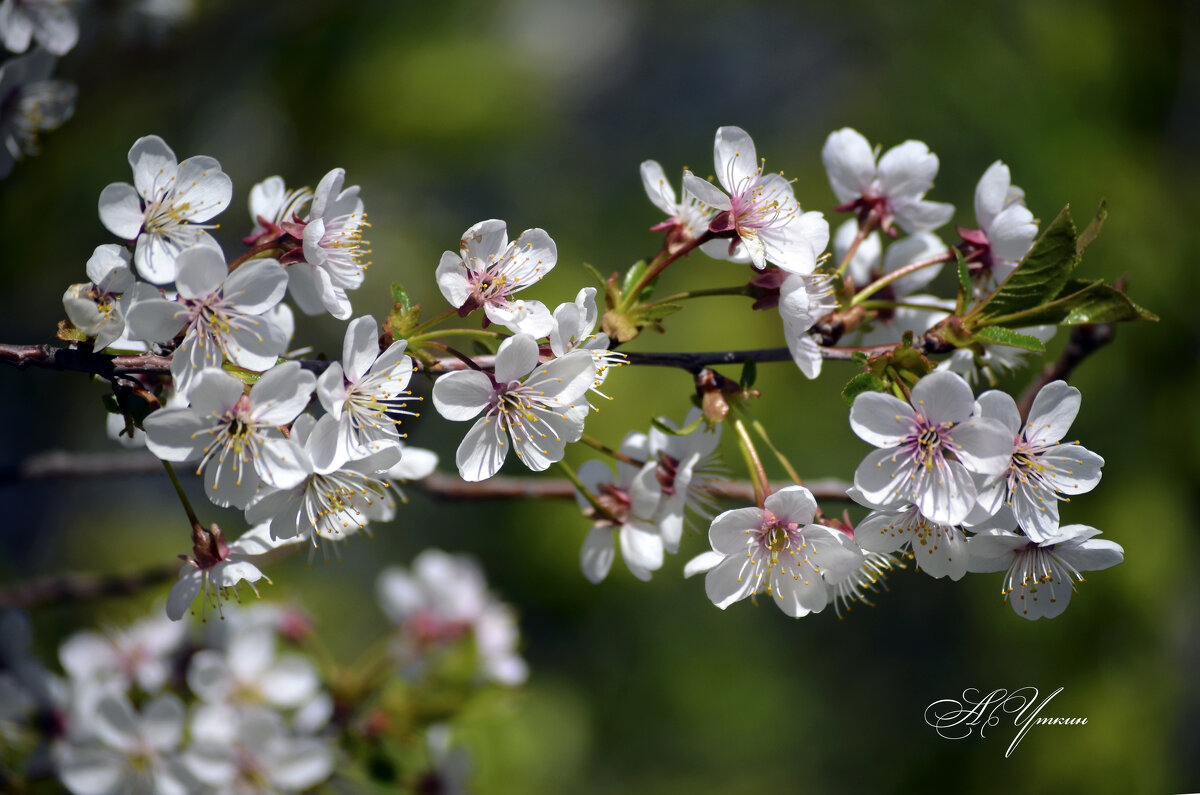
(955, 719)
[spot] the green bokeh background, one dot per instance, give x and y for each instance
(539, 112)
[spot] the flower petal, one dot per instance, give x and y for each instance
(461, 395)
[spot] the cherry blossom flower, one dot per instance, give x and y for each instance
(488, 270)
(777, 549)
(1040, 576)
(30, 104)
(97, 308)
(339, 495)
(51, 23)
(415, 463)
(1006, 228)
(366, 392)
(985, 361)
(333, 249)
(928, 449)
(1041, 467)
(223, 315)
(249, 671)
(272, 202)
(250, 749)
(760, 209)
(940, 549)
(235, 437)
(572, 330)
(894, 189)
(685, 465)
(804, 300)
(686, 220)
(442, 601)
(219, 575)
(632, 501)
(131, 752)
(142, 654)
(864, 265)
(536, 413)
(165, 208)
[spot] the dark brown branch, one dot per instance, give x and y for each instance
(1084, 341)
(80, 586)
(49, 357)
(60, 464)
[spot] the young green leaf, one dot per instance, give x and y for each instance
(1003, 336)
(1040, 276)
(399, 297)
(863, 382)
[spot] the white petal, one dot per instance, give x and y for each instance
(360, 348)
(451, 276)
(596, 555)
(730, 532)
(881, 420)
(462, 395)
(792, 504)
(481, 452)
(177, 434)
(516, 358)
(703, 562)
(943, 397)
(991, 194)
(256, 286)
(281, 394)
(725, 584)
(705, 191)
(203, 188)
(850, 162)
(640, 548)
(985, 446)
(121, 210)
(154, 166)
(907, 170)
(657, 188)
(1052, 412)
(735, 159)
(998, 405)
(950, 497)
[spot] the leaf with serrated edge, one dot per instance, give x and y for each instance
(863, 382)
(1081, 301)
(997, 335)
(1038, 277)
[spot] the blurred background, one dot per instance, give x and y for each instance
(539, 112)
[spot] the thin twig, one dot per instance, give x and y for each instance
(80, 586)
(64, 465)
(1085, 340)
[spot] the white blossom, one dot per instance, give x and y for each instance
(573, 328)
(98, 307)
(223, 315)
(440, 602)
(141, 654)
(30, 104)
(1042, 467)
(632, 499)
(760, 209)
(235, 437)
(537, 413)
(333, 249)
(927, 449)
(51, 23)
(366, 391)
(487, 271)
(778, 550)
(220, 576)
(339, 495)
(1040, 576)
(687, 219)
(685, 467)
(249, 671)
(132, 752)
(894, 189)
(940, 549)
(166, 206)
(804, 300)
(1006, 227)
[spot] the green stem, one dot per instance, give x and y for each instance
(608, 451)
(254, 253)
(758, 475)
(902, 305)
(433, 322)
(762, 434)
(413, 339)
(899, 273)
(742, 289)
(183, 498)
(865, 228)
(600, 511)
(658, 265)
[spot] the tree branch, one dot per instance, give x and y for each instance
(440, 485)
(109, 366)
(1085, 340)
(81, 586)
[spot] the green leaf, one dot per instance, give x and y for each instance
(1003, 336)
(749, 374)
(1040, 276)
(859, 358)
(1081, 301)
(635, 272)
(399, 297)
(656, 312)
(863, 382)
(595, 273)
(684, 431)
(964, 283)
(1093, 229)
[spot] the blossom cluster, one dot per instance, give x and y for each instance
(247, 705)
